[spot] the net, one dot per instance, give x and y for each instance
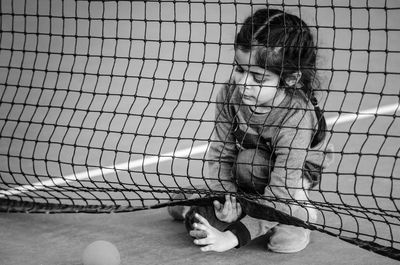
(110, 107)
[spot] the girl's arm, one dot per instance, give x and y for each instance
(291, 149)
(222, 151)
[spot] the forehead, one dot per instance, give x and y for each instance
(247, 61)
(245, 58)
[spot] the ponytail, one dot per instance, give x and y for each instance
(321, 131)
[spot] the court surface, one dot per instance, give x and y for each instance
(147, 238)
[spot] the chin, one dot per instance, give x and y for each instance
(248, 102)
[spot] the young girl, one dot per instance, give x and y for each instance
(269, 137)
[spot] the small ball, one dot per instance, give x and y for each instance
(101, 253)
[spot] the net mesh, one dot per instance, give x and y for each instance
(109, 106)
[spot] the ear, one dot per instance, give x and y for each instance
(294, 79)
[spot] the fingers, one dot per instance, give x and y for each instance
(201, 232)
(206, 248)
(239, 209)
(198, 234)
(230, 203)
(227, 205)
(202, 219)
(201, 227)
(236, 207)
(217, 205)
(234, 203)
(229, 211)
(205, 243)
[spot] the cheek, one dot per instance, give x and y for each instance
(268, 87)
(236, 77)
(271, 84)
(268, 94)
(243, 79)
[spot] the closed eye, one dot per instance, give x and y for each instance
(239, 69)
(260, 78)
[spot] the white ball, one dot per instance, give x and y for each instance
(101, 253)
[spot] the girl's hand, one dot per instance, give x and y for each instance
(210, 238)
(230, 211)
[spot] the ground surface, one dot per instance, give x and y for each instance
(148, 237)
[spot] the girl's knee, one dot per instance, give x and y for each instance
(306, 211)
(252, 170)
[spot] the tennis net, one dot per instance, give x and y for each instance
(109, 106)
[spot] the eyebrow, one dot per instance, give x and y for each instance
(265, 73)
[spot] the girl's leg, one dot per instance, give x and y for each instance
(289, 238)
(252, 170)
(252, 173)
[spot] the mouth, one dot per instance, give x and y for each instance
(245, 97)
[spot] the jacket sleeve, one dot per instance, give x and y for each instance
(222, 150)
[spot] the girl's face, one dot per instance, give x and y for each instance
(257, 86)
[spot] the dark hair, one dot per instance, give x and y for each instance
(284, 44)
